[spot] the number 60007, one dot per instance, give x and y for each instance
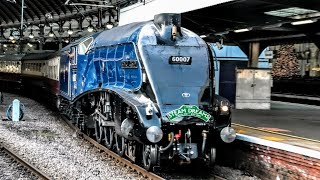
(181, 59)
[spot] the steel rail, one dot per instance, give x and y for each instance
(113, 155)
(30, 167)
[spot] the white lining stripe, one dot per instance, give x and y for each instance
(281, 146)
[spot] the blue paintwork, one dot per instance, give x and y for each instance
(105, 62)
(101, 67)
(169, 81)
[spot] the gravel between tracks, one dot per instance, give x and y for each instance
(44, 140)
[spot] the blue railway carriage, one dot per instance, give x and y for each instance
(146, 91)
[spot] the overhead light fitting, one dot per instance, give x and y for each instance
(90, 27)
(30, 45)
(31, 34)
(11, 37)
(13, 41)
(303, 22)
(66, 41)
(51, 33)
(203, 36)
(70, 30)
(241, 30)
(109, 24)
(5, 45)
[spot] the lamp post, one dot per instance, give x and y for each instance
(21, 25)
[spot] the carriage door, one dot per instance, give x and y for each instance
(68, 68)
(73, 72)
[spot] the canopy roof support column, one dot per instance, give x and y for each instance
(254, 51)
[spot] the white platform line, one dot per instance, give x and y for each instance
(281, 146)
(296, 96)
(296, 104)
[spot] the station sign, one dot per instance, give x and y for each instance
(268, 54)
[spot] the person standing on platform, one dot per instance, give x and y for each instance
(307, 70)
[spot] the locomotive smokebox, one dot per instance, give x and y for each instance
(169, 26)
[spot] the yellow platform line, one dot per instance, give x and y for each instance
(277, 133)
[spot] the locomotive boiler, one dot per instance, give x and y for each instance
(146, 90)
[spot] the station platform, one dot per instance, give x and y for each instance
(280, 143)
(287, 126)
(287, 118)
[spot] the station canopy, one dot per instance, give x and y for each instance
(265, 21)
(57, 16)
(240, 21)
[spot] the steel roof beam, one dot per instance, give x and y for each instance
(66, 6)
(54, 6)
(4, 15)
(27, 10)
(35, 9)
(13, 13)
(45, 5)
(61, 18)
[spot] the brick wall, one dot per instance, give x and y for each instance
(268, 163)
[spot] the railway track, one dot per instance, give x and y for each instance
(110, 154)
(114, 156)
(33, 170)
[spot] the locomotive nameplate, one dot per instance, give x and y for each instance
(129, 64)
(188, 110)
(184, 60)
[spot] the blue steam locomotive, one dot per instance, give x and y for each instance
(146, 91)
